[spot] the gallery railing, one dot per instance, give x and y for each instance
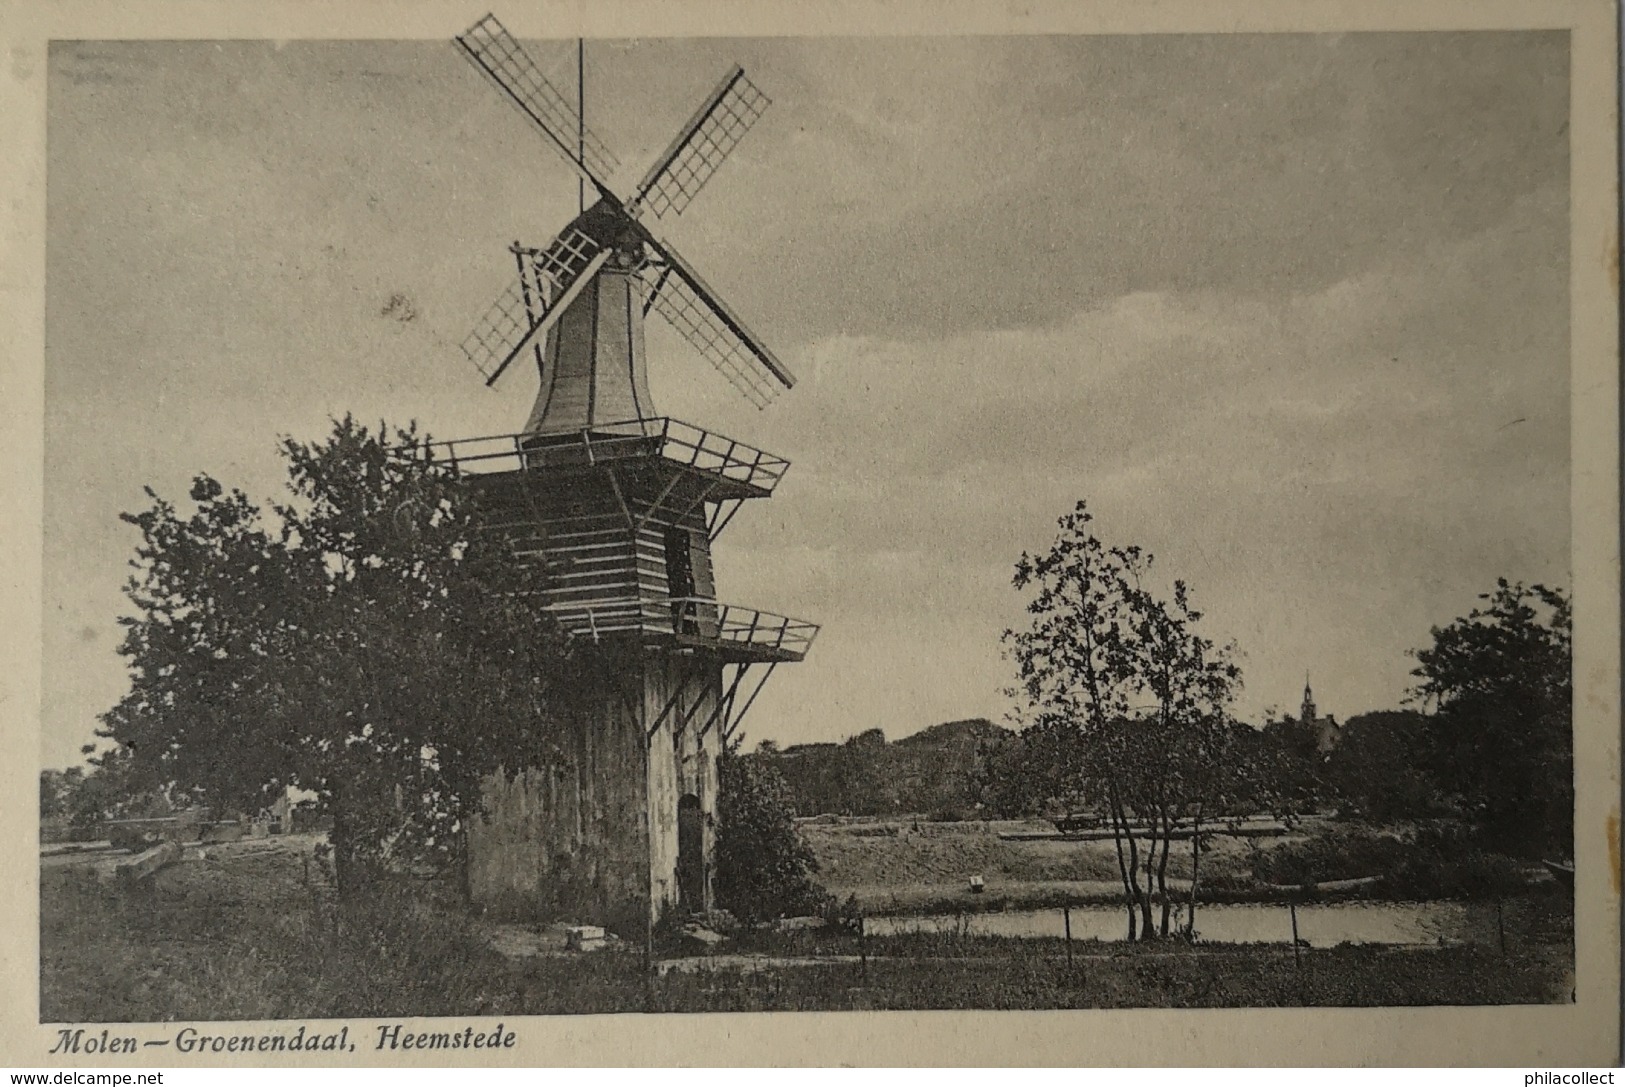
(669, 439)
(694, 619)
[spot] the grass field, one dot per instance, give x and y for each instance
(904, 866)
(242, 935)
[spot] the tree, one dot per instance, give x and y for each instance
(1128, 703)
(58, 790)
(1297, 769)
(1011, 780)
(366, 641)
(764, 867)
(1380, 768)
(1184, 773)
(80, 798)
(1498, 682)
(865, 776)
(1037, 771)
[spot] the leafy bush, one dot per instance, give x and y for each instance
(764, 867)
(1343, 853)
(1450, 862)
(842, 916)
(1434, 862)
(130, 839)
(1477, 874)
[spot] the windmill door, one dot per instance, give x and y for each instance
(679, 563)
(690, 854)
(680, 578)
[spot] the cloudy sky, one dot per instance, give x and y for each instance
(1290, 311)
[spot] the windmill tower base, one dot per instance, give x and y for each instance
(614, 823)
(618, 827)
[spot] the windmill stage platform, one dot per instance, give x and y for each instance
(600, 507)
(731, 468)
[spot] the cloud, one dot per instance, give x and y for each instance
(1328, 500)
(1269, 302)
(1108, 166)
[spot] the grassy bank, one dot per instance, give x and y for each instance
(1036, 974)
(907, 866)
(245, 937)
(904, 866)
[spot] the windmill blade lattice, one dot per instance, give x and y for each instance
(533, 301)
(551, 280)
(495, 53)
(711, 329)
(701, 146)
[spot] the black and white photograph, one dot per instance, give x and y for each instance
(537, 522)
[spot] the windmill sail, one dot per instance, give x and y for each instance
(715, 331)
(552, 280)
(548, 282)
(701, 146)
(493, 51)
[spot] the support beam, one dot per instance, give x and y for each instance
(674, 702)
(725, 703)
(732, 728)
(626, 511)
(699, 700)
(705, 496)
(650, 512)
(727, 714)
(666, 710)
(717, 529)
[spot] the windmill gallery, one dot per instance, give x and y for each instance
(622, 506)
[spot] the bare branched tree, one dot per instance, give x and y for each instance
(1129, 704)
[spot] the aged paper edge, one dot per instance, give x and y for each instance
(1586, 1032)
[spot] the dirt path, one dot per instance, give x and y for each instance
(746, 964)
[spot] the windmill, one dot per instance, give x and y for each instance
(579, 301)
(621, 505)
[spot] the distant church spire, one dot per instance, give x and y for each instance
(1327, 730)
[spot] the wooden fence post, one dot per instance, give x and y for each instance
(1066, 918)
(1292, 905)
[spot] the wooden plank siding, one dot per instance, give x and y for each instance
(567, 838)
(582, 535)
(681, 762)
(592, 834)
